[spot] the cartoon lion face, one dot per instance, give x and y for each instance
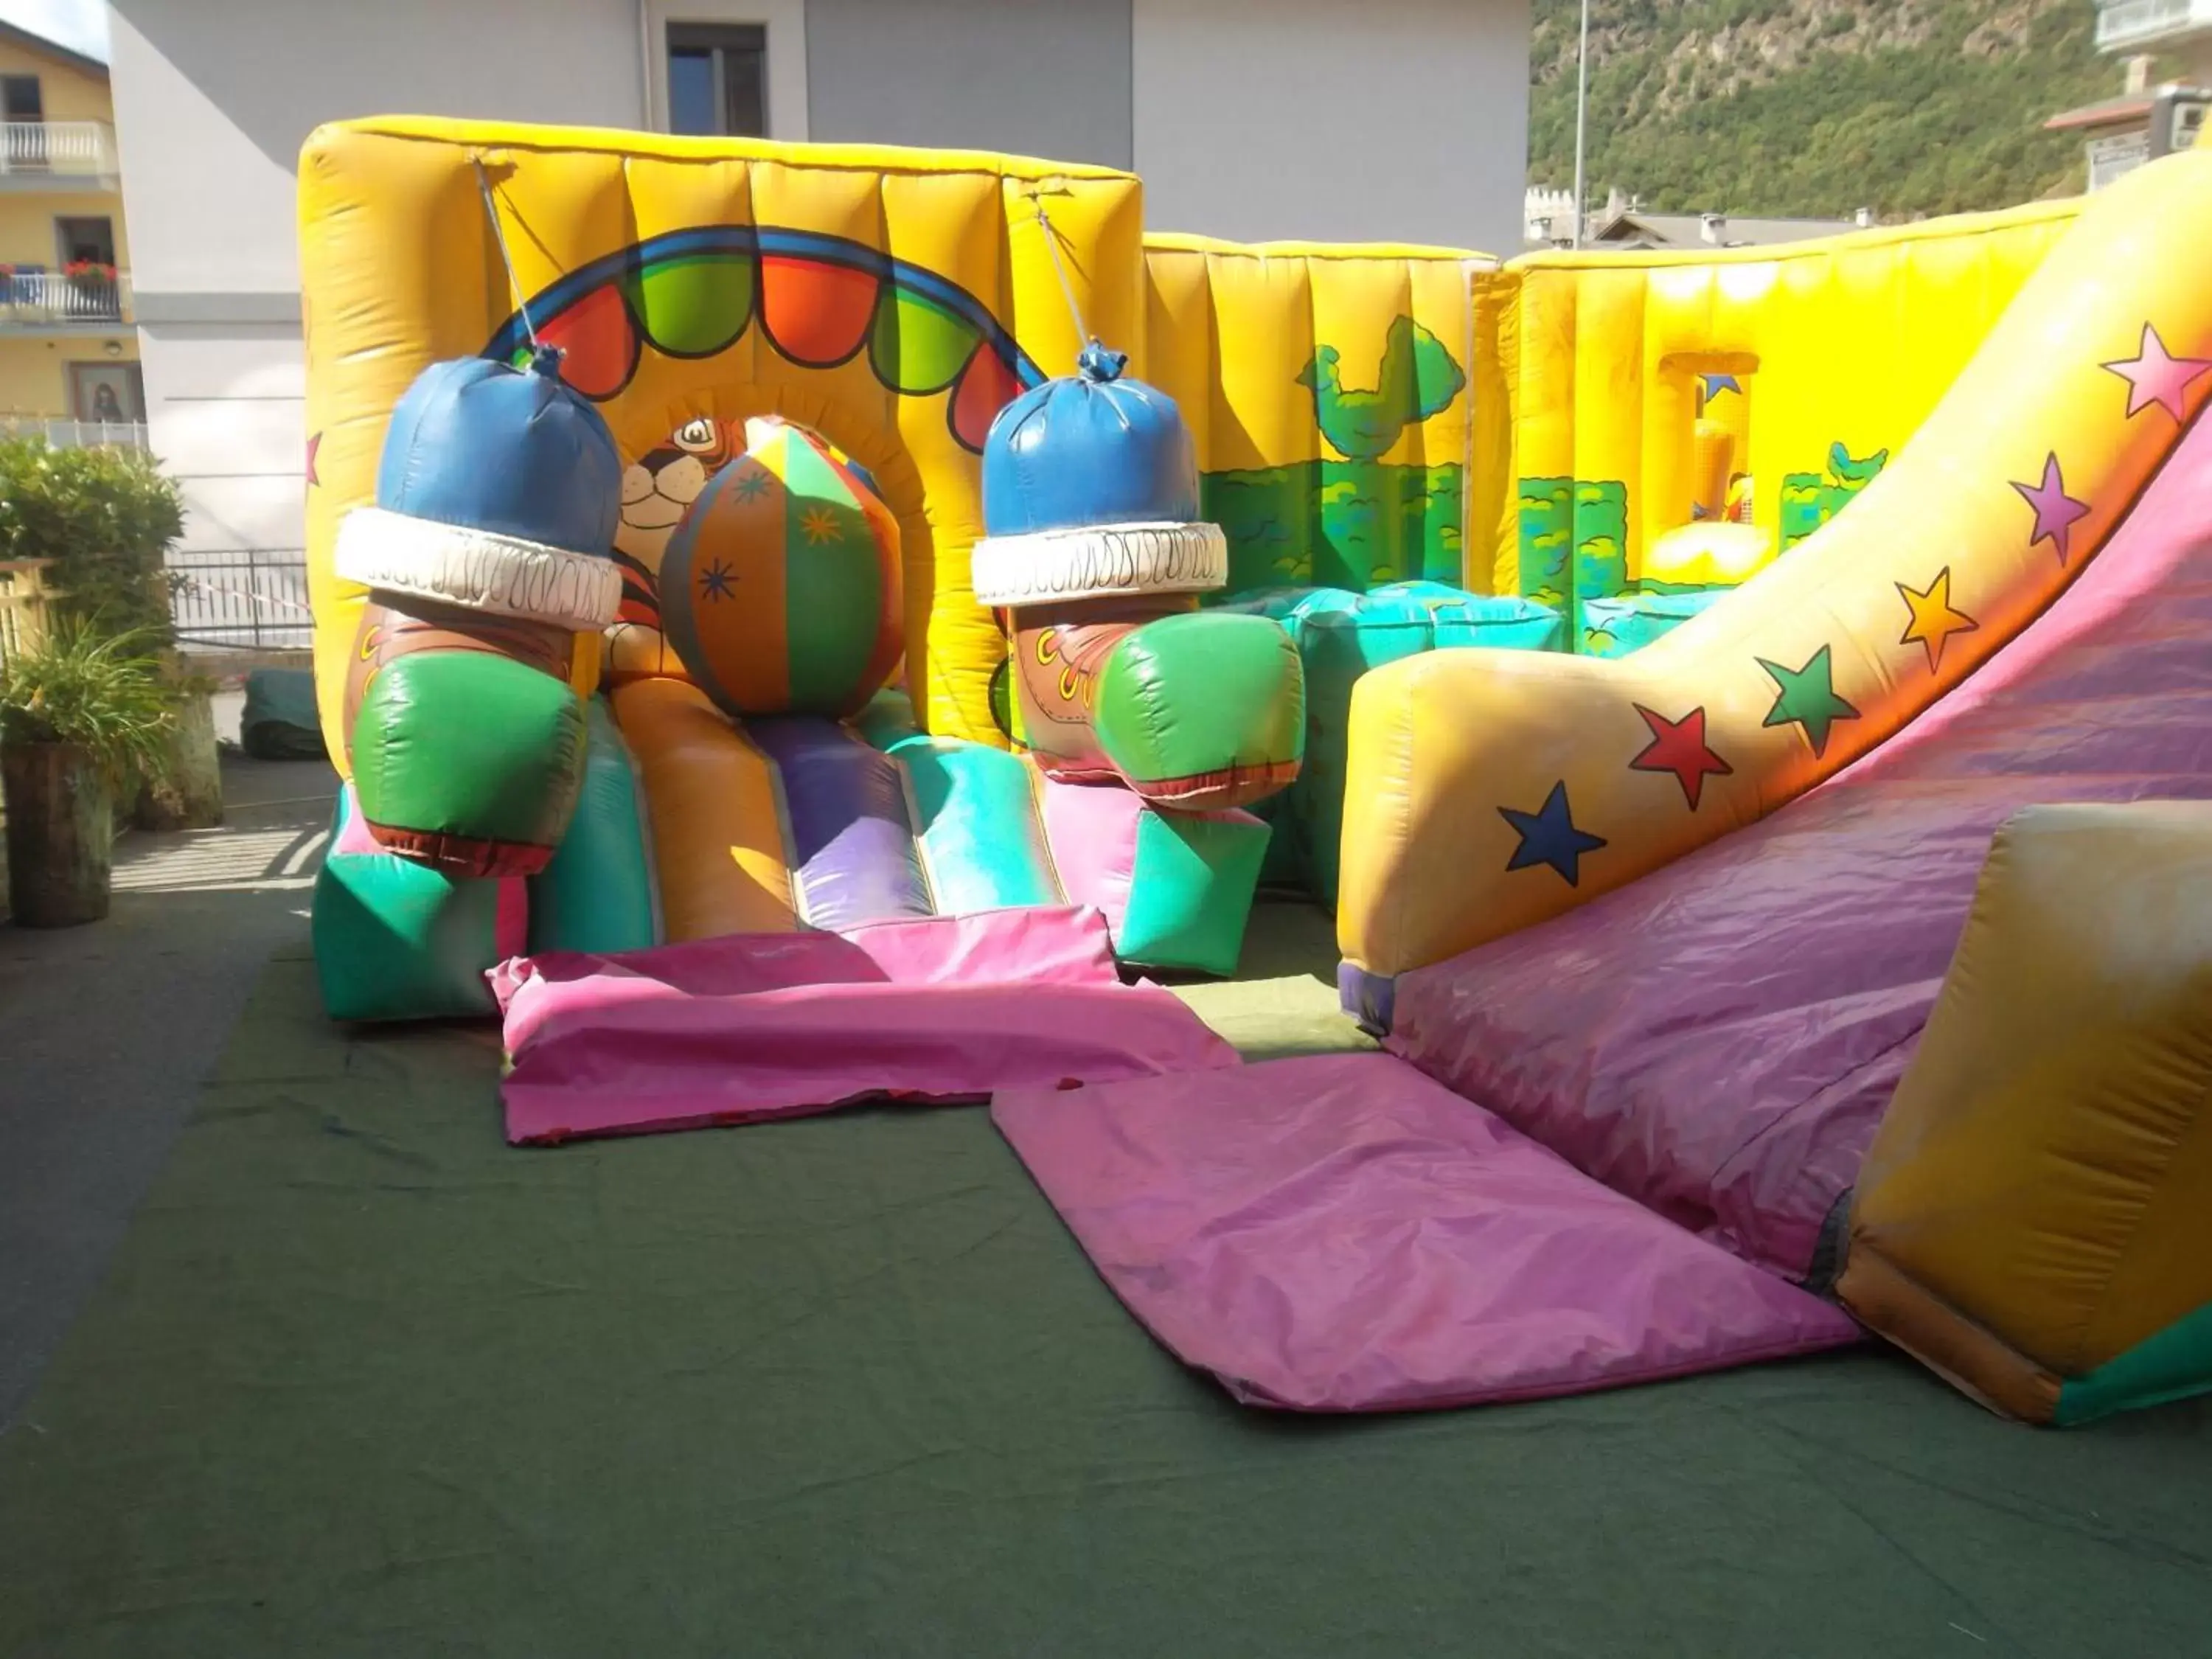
(657, 489)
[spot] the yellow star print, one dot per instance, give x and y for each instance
(1933, 619)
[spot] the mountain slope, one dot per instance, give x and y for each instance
(1817, 108)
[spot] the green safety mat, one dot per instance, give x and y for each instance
(365, 1382)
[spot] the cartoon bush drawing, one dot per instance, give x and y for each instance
(1547, 535)
(1810, 500)
(1601, 538)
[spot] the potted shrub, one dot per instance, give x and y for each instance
(81, 713)
(183, 791)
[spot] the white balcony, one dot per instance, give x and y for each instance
(57, 155)
(54, 302)
(2146, 25)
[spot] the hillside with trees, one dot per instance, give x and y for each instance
(1817, 108)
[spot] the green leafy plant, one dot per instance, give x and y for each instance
(108, 693)
(107, 518)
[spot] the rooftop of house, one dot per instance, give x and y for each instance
(34, 42)
(1636, 229)
(2128, 109)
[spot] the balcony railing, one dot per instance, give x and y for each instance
(53, 299)
(68, 149)
(2130, 25)
(62, 434)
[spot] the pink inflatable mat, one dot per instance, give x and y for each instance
(1340, 1233)
(753, 1027)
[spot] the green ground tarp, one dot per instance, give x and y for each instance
(364, 1382)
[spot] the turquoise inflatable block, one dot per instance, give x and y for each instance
(1290, 605)
(1628, 621)
(280, 720)
(975, 817)
(395, 939)
(1403, 619)
(599, 893)
(974, 810)
(1191, 893)
(1504, 622)
(888, 718)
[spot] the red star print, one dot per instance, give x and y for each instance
(1678, 747)
(315, 443)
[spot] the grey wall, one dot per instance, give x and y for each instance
(1335, 120)
(1035, 77)
(214, 97)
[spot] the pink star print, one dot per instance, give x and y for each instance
(2155, 375)
(2056, 512)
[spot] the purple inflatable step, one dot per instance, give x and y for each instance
(1339, 1233)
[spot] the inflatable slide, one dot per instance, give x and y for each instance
(790, 617)
(1642, 1035)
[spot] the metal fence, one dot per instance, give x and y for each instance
(54, 299)
(247, 599)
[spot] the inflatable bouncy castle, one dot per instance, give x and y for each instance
(1748, 710)
(759, 575)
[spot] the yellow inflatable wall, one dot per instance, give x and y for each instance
(1823, 356)
(1328, 393)
(893, 300)
(1489, 790)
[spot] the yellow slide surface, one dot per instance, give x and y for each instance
(718, 838)
(1490, 790)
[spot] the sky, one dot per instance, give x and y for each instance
(80, 24)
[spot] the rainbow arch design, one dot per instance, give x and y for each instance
(820, 300)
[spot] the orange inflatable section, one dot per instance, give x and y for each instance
(718, 838)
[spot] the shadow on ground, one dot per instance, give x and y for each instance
(109, 1029)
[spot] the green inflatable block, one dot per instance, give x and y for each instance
(2174, 1363)
(395, 939)
(1291, 606)
(468, 747)
(1191, 894)
(1203, 694)
(599, 892)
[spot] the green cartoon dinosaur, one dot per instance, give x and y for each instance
(1418, 379)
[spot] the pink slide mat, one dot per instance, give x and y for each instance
(1340, 1233)
(758, 1026)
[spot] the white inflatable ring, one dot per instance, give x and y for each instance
(477, 570)
(1045, 567)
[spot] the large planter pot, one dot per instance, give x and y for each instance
(61, 835)
(190, 795)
